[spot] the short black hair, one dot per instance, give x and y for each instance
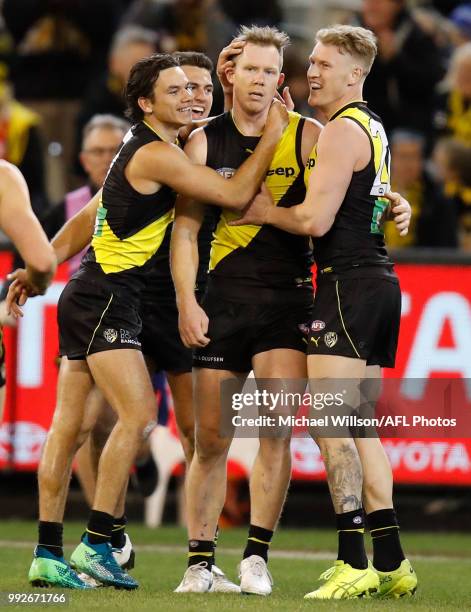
(193, 58)
(141, 82)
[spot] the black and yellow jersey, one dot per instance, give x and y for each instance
(356, 238)
(251, 263)
(159, 286)
(130, 227)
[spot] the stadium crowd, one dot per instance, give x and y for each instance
(63, 62)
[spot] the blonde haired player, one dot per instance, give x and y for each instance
(357, 304)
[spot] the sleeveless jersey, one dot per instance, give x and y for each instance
(252, 263)
(356, 238)
(159, 287)
(130, 227)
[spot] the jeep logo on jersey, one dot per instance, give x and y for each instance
(317, 325)
(330, 339)
(110, 335)
(288, 172)
(227, 173)
(311, 162)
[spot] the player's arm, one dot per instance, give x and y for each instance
(77, 233)
(23, 228)
(337, 154)
(184, 261)
(74, 236)
(339, 148)
(203, 184)
(184, 257)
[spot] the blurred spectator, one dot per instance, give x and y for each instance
(452, 114)
(461, 20)
(101, 139)
(59, 46)
(402, 80)
(105, 94)
(452, 160)
(433, 222)
(295, 69)
(440, 29)
(180, 24)
(59, 43)
(20, 142)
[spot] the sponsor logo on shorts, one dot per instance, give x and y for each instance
(126, 338)
(357, 520)
(110, 335)
(315, 340)
(330, 339)
(304, 329)
(317, 325)
(210, 358)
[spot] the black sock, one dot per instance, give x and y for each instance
(118, 539)
(258, 542)
(351, 529)
(387, 550)
(99, 527)
(216, 538)
(50, 537)
(199, 551)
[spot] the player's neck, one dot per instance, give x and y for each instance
(336, 105)
(249, 124)
(167, 132)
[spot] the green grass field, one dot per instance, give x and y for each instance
(442, 562)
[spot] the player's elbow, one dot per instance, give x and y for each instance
(319, 227)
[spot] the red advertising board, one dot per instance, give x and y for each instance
(435, 341)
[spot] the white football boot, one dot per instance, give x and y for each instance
(196, 579)
(221, 583)
(125, 556)
(254, 576)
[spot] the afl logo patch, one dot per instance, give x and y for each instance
(317, 326)
(330, 339)
(110, 335)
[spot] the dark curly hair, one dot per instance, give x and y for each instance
(141, 82)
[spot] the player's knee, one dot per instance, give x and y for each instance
(274, 448)
(188, 443)
(101, 432)
(210, 446)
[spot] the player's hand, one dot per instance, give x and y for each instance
(193, 325)
(225, 62)
(285, 98)
(19, 291)
(278, 117)
(16, 297)
(256, 211)
(6, 319)
(401, 211)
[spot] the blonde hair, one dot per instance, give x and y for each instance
(358, 42)
(264, 37)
